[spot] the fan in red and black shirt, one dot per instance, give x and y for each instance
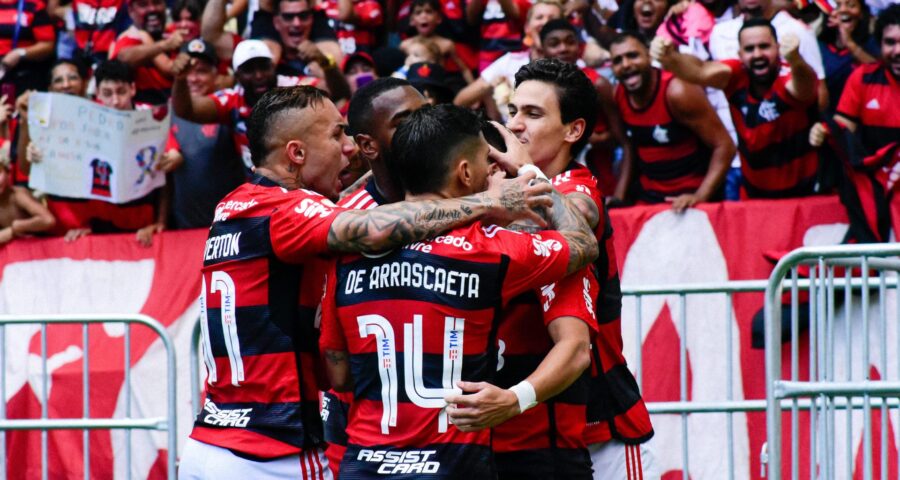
(260, 418)
(97, 23)
(865, 134)
(773, 106)
(681, 148)
(502, 23)
(26, 43)
(611, 418)
(420, 323)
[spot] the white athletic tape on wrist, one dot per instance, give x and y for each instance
(531, 168)
(526, 395)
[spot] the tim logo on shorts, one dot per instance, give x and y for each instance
(395, 463)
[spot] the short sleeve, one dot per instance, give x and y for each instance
(573, 296)
(781, 90)
(299, 226)
(331, 334)
(737, 75)
(123, 43)
(369, 13)
(172, 141)
(42, 26)
(225, 101)
(850, 104)
(534, 259)
(493, 71)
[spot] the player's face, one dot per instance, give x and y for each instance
(328, 150)
(425, 19)
(631, 64)
(540, 14)
(648, 14)
(479, 167)
(294, 22)
(759, 53)
(389, 110)
(201, 78)
(65, 79)
(148, 15)
(116, 94)
(534, 118)
(890, 49)
(561, 45)
(257, 76)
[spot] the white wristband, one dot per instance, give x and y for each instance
(525, 394)
(531, 168)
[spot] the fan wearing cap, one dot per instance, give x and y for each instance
(206, 166)
(430, 79)
(255, 74)
(359, 70)
(146, 50)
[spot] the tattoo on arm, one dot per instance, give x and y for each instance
(566, 218)
(394, 225)
(587, 207)
(335, 357)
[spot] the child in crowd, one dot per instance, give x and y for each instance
(20, 213)
(418, 50)
(425, 17)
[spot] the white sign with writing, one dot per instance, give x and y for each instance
(95, 152)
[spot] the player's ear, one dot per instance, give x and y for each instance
(367, 146)
(575, 129)
(296, 152)
(463, 173)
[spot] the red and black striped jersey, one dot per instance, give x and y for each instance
(616, 409)
(35, 24)
(96, 22)
(671, 158)
(416, 321)
(499, 34)
(361, 35)
(777, 160)
(262, 281)
(870, 99)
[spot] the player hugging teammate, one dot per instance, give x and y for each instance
(463, 334)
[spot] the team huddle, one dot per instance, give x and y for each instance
(454, 316)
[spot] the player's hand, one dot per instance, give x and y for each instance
(817, 134)
(683, 202)
(516, 155)
(486, 407)
(661, 49)
(144, 236)
(75, 234)
(518, 198)
(789, 48)
(170, 161)
(182, 65)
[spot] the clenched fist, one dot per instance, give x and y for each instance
(789, 47)
(661, 48)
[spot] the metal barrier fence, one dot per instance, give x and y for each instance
(843, 349)
(86, 423)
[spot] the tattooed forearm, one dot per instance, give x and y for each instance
(566, 218)
(338, 367)
(336, 357)
(394, 225)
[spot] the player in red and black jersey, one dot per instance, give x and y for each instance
(773, 107)
(373, 116)
(681, 147)
(551, 110)
(260, 418)
(423, 320)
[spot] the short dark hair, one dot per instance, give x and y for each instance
(434, 4)
(359, 113)
(77, 64)
(889, 16)
(426, 145)
(576, 94)
(267, 111)
(557, 24)
(625, 35)
(114, 71)
(194, 7)
(757, 22)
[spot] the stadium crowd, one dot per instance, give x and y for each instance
(282, 107)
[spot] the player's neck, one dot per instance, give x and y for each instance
(558, 164)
